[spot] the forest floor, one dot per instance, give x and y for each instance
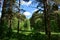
(28, 32)
(30, 35)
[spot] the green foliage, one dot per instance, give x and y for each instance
(55, 7)
(54, 27)
(27, 24)
(38, 24)
(32, 36)
(36, 21)
(14, 23)
(22, 25)
(55, 37)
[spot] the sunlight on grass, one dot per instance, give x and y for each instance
(27, 33)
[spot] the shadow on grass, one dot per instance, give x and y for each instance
(32, 36)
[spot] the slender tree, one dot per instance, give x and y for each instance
(10, 15)
(18, 18)
(6, 15)
(3, 18)
(47, 18)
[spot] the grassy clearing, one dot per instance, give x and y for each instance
(28, 32)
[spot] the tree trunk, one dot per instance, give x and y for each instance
(47, 18)
(18, 18)
(10, 18)
(10, 29)
(18, 26)
(2, 18)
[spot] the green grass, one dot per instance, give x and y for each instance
(51, 33)
(28, 32)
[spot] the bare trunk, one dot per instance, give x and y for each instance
(10, 29)
(47, 19)
(18, 26)
(18, 18)
(10, 18)
(2, 19)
